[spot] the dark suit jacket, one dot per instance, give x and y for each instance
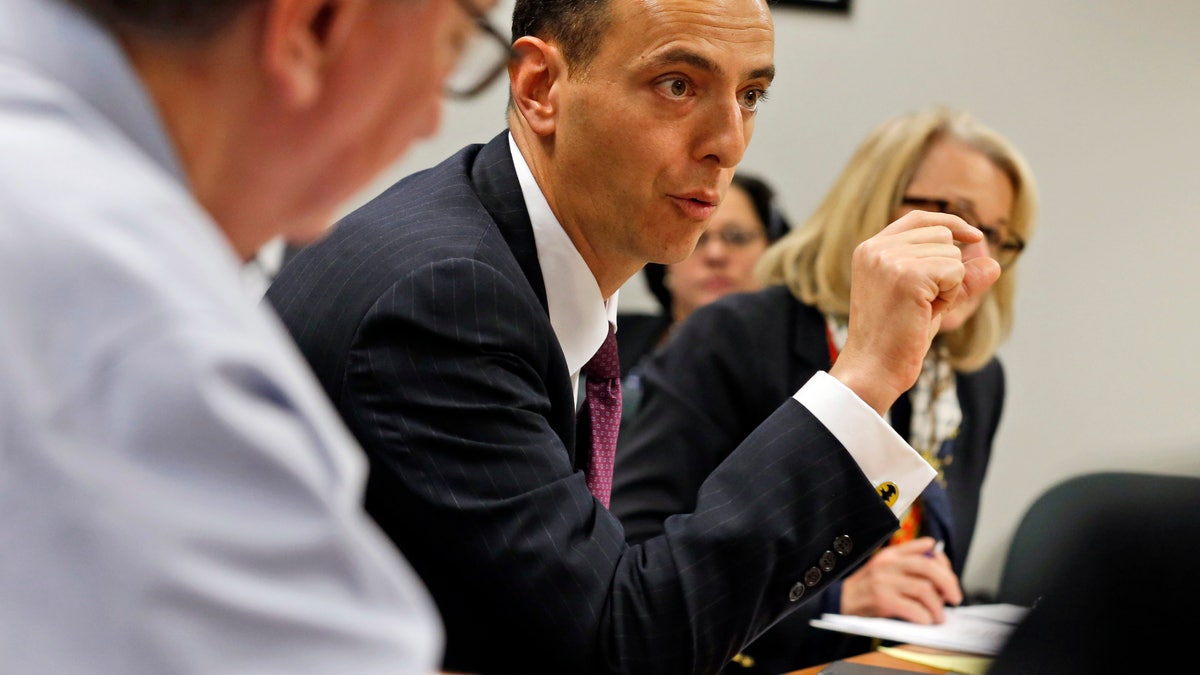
(718, 377)
(639, 336)
(424, 316)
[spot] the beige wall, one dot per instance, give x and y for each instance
(1103, 96)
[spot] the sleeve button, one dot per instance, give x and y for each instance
(843, 544)
(812, 577)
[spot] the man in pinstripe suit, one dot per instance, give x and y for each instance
(449, 319)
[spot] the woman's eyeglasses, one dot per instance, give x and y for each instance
(1003, 246)
(731, 237)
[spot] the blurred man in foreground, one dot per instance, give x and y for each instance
(178, 495)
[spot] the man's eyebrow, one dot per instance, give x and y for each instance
(767, 73)
(680, 55)
(695, 60)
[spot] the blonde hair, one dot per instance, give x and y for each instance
(813, 261)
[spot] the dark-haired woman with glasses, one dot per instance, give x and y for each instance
(728, 367)
(746, 222)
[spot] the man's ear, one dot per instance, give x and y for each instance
(535, 74)
(300, 39)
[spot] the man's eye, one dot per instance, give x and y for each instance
(751, 98)
(675, 88)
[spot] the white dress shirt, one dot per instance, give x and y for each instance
(178, 495)
(580, 318)
(578, 312)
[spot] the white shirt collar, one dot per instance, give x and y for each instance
(578, 313)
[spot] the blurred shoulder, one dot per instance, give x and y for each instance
(769, 306)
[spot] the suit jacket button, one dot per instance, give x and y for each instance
(796, 593)
(843, 544)
(812, 577)
(828, 561)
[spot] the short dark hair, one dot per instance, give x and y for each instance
(766, 207)
(165, 19)
(576, 25)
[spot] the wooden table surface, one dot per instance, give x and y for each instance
(881, 659)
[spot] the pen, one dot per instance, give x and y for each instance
(937, 548)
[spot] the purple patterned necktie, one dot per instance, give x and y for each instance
(603, 400)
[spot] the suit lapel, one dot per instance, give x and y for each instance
(495, 181)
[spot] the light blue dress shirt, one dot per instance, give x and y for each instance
(176, 493)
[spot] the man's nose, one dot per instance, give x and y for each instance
(724, 134)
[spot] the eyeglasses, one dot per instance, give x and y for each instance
(484, 58)
(732, 237)
(1002, 245)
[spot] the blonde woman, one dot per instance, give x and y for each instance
(733, 361)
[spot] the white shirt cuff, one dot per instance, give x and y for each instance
(886, 459)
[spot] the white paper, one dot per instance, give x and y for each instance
(974, 629)
(996, 612)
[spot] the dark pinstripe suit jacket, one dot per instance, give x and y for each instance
(424, 316)
(720, 375)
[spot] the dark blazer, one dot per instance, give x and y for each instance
(717, 378)
(424, 316)
(639, 336)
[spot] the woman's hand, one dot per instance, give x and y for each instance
(911, 581)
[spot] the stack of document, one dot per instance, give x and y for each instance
(973, 629)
